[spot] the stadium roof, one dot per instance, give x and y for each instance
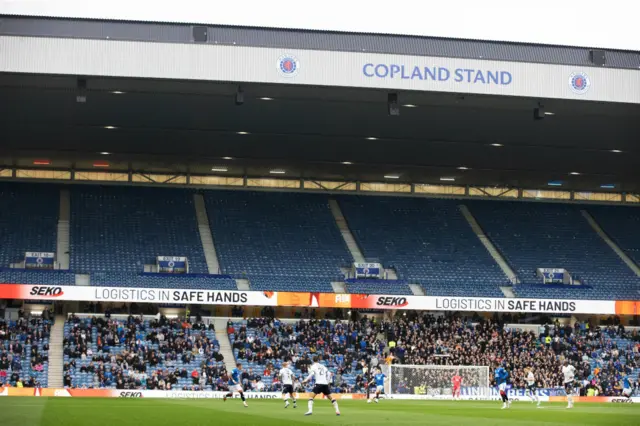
(310, 132)
(314, 40)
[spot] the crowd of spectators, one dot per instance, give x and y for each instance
(24, 350)
(418, 338)
(138, 354)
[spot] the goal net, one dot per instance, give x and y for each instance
(434, 381)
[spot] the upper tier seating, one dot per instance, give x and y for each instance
(293, 236)
(622, 224)
(371, 286)
(428, 241)
(128, 279)
(124, 228)
(544, 235)
(25, 276)
(28, 220)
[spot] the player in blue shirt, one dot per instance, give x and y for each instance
(235, 384)
(378, 379)
(501, 375)
(627, 387)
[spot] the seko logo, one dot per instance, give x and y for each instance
(130, 394)
(46, 291)
(392, 301)
(621, 401)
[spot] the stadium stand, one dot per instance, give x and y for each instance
(28, 220)
(124, 228)
(280, 241)
(373, 286)
(24, 351)
(427, 241)
(141, 354)
(25, 276)
(187, 281)
(599, 354)
(543, 235)
(261, 345)
(622, 224)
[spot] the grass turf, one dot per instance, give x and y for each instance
(40, 411)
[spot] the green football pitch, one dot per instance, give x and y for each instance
(25, 411)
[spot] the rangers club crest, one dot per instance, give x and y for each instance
(579, 83)
(288, 65)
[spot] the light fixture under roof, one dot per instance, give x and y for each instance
(347, 162)
(391, 177)
(277, 172)
(549, 113)
(117, 92)
(105, 153)
(242, 133)
(447, 179)
(608, 186)
(496, 144)
(463, 168)
(227, 158)
(574, 173)
(410, 106)
(219, 169)
(555, 183)
(617, 151)
(266, 98)
(110, 127)
(372, 138)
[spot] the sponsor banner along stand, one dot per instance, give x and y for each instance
(315, 300)
(114, 393)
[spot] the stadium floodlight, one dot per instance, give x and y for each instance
(617, 151)
(496, 144)
(117, 92)
(447, 179)
(372, 138)
(110, 127)
(242, 133)
(227, 158)
(463, 168)
(574, 173)
(434, 381)
(266, 98)
(277, 172)
(410, 106)
(105, 153)
(391, 177)
(347, 163)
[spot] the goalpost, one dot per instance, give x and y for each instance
(434, 381)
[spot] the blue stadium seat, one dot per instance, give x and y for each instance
(286, 240)
(26, 276)
(187, 281)
(533, 235)
(371, 286)
(28, 220)
(622, 224)
(427, 241)
(124, 228)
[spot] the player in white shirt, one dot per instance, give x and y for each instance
(287, 377)
(321, 375)
(569, 373)
(531, 386)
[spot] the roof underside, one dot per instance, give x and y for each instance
(173, 126)
(313, 40)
